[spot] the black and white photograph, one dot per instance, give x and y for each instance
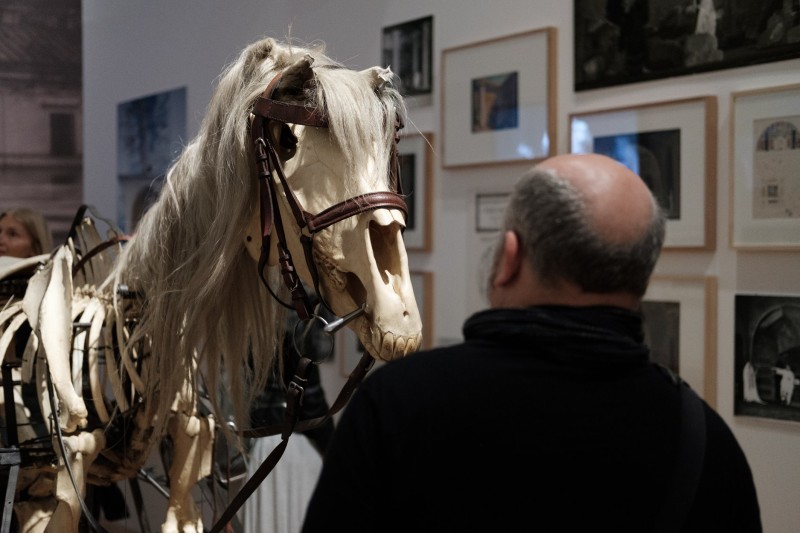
(767, 377)
(408, 51)
(629, 41)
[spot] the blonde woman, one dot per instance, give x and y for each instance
(24, 233)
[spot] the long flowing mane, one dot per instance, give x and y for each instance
(203, 303)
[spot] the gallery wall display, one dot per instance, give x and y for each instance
(415, 153)
(408, 51)
(499, 100)
(149, 135)
(672, 145)
(767, 356)
(639, 40)
(764, 163)
(680, 324)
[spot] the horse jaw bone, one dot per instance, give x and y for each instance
(365, 262)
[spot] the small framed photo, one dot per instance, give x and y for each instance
(672, 145)
(416, 178)
(349, 349)
(408, 51)
(490, 209)
(680, 326)
(765, 158)
(767, 356)
(499, 100)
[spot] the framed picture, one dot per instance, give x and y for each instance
(672, 145)
(640, 40)
(680, 326)
(416, 177)
(408, 51)
(489, 211)
(349, 349)
(150, 131)
(767, 356)
(765, 158)
(499, 100)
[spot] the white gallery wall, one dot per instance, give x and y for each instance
(137, 48)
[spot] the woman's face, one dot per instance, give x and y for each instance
(15, 241)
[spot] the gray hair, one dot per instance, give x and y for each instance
(550, 217)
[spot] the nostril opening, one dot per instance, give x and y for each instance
(384, 248)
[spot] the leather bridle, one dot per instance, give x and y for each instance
(265, 110)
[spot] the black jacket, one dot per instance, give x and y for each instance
(544, 419)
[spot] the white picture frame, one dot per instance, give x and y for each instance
(416, 175)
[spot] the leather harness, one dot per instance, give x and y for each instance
(265, 110)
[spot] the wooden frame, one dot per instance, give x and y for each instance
(628, 42)
(499, 100)
(416, 176)
(767, 356)
(684, 308)
(673, 146)
(764, 211)
(407, 49)
(348, 348)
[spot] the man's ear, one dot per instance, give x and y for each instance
(510, 259)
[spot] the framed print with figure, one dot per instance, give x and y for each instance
(672, 145)
(408, 51)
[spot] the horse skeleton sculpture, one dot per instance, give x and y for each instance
(288, 175)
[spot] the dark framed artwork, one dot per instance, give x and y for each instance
(415, 154)
(629, 41)
(767, 356)
(408, 51)
(679, 317)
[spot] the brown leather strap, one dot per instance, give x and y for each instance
(355, 206)
(294, 401)
(288, 112)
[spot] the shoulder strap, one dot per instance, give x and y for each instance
(689, 461)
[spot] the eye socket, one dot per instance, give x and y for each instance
(287, 140)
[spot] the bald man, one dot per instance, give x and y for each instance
(550, 415)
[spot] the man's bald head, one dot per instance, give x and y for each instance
(588, 222)
(619, 204)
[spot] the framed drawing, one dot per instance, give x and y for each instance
(499, 100)
(765, 158)
(680, 325)
(349, 349)
(640, 40)
(672, 145)
(416, 178)
(767, 356)
(489, 211)
(408, 51)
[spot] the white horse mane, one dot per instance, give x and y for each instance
(205, 304)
